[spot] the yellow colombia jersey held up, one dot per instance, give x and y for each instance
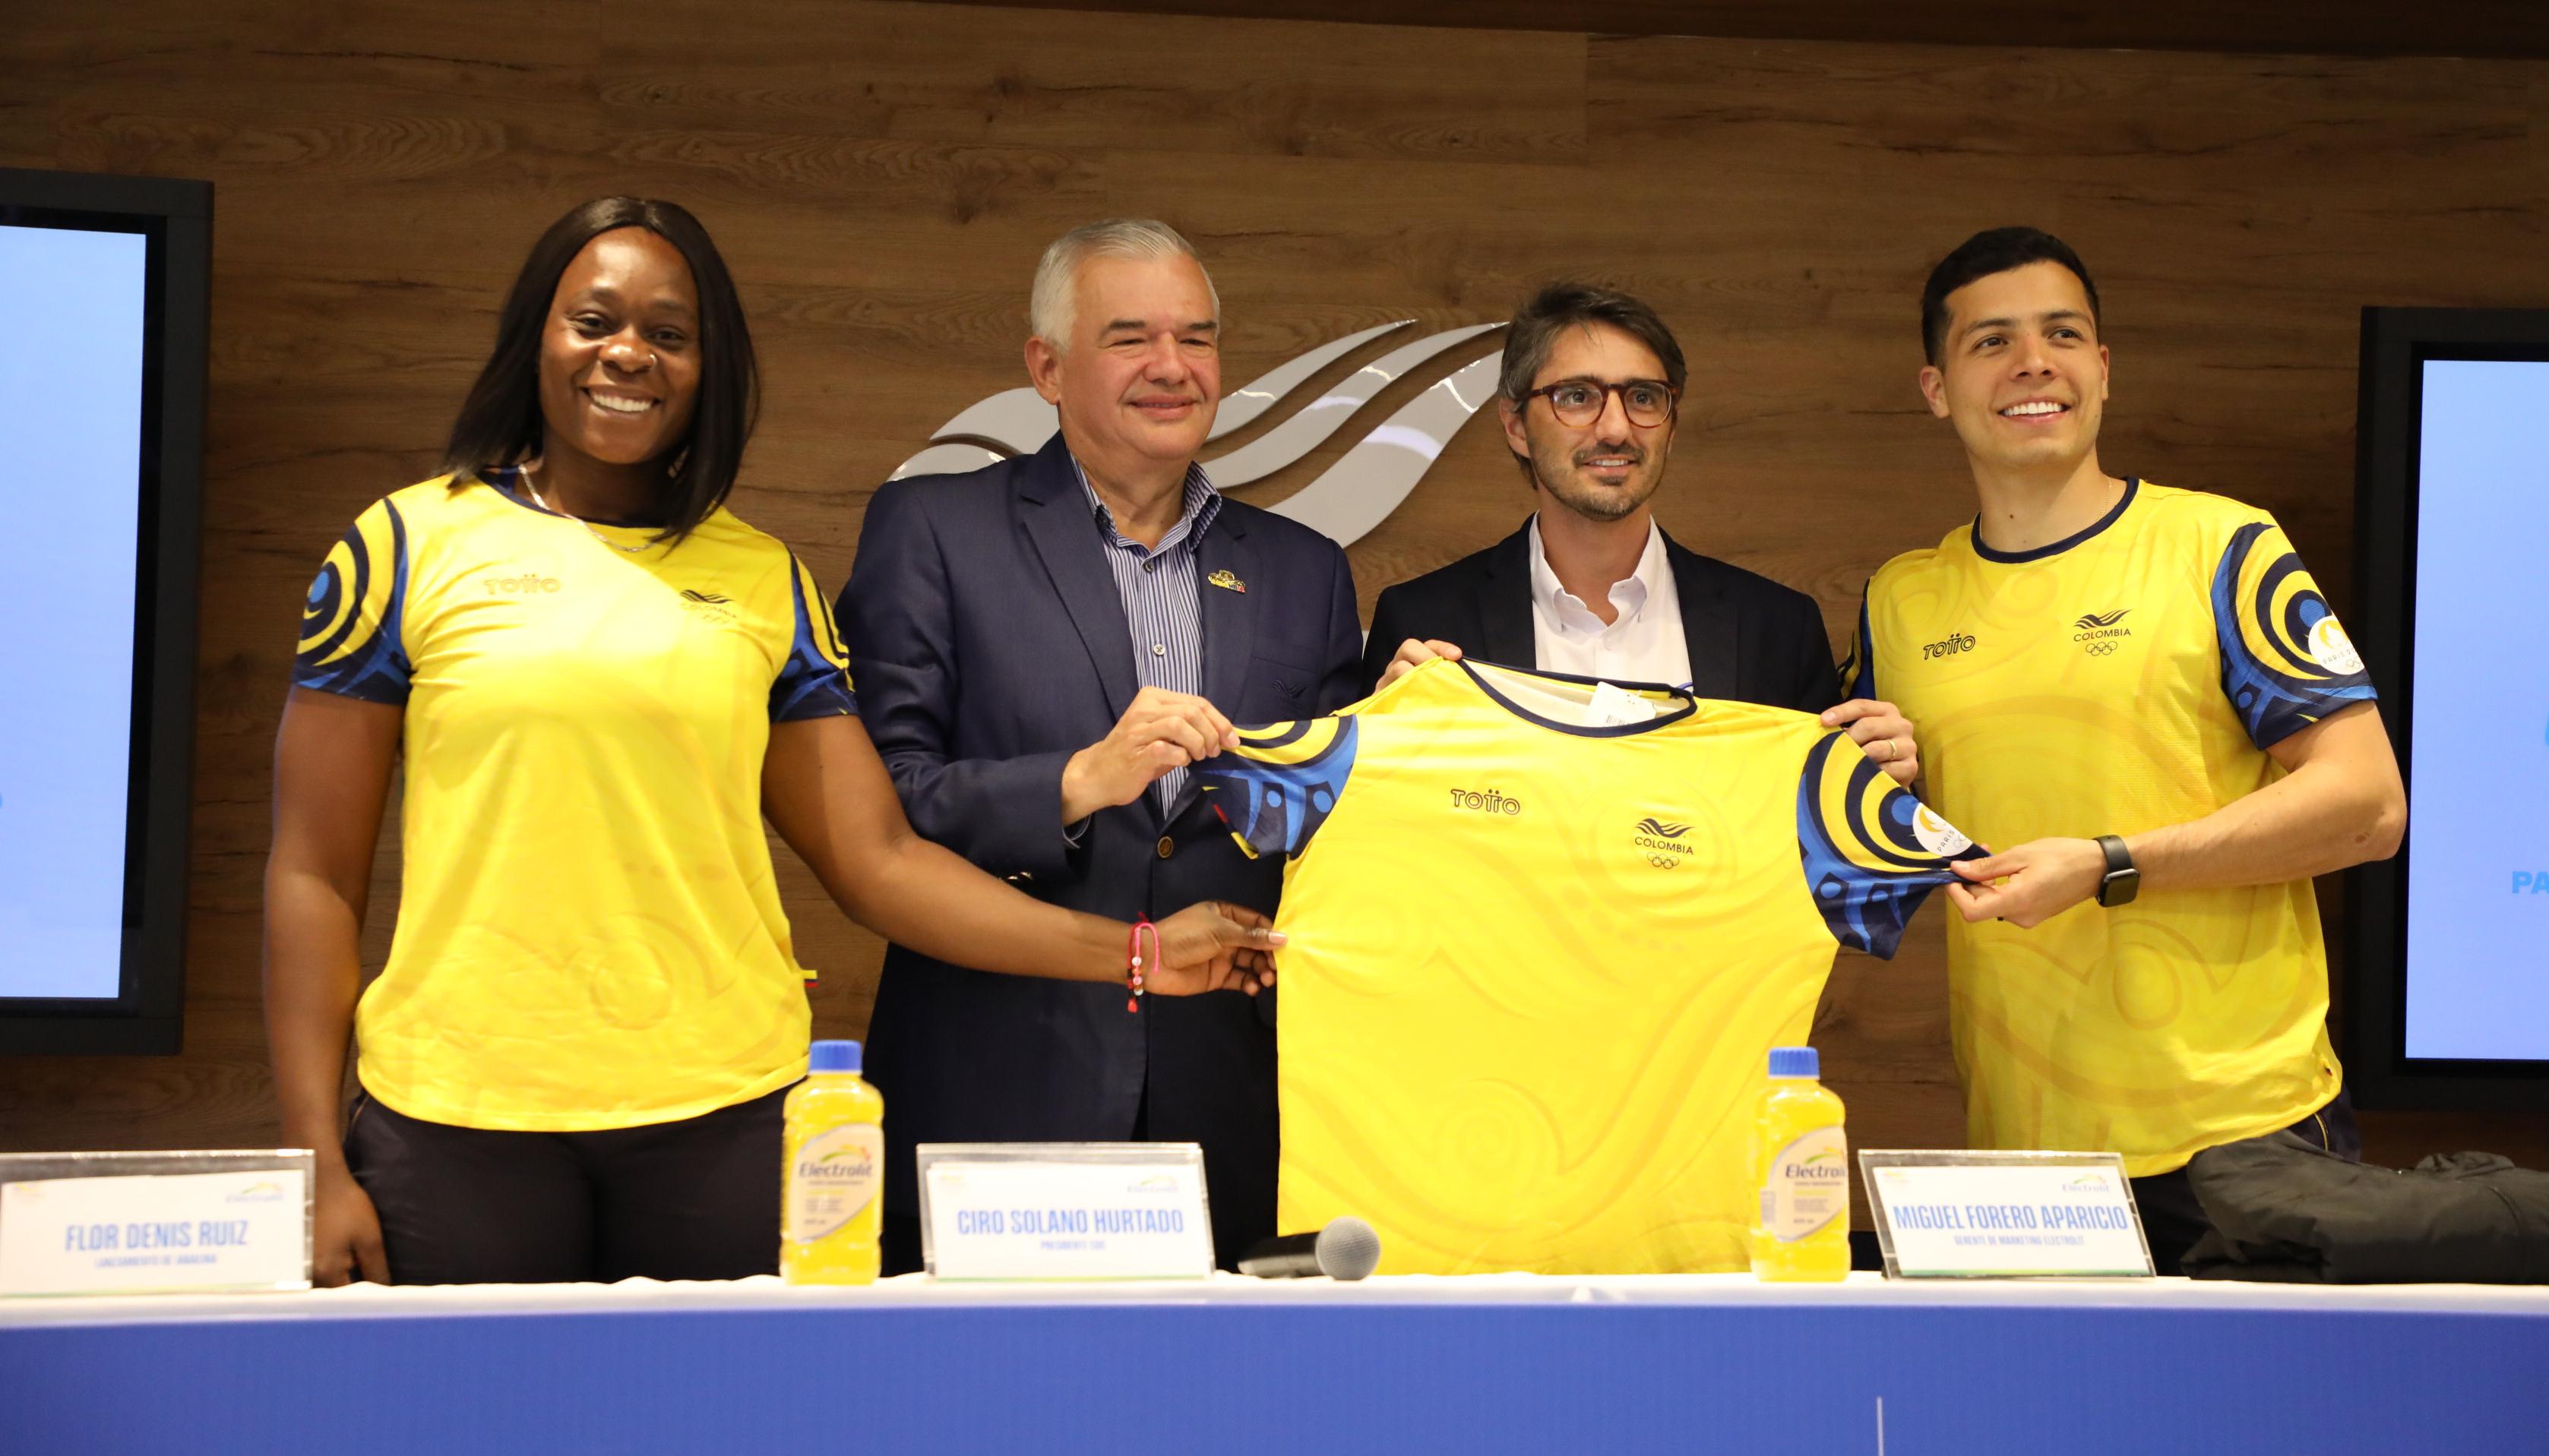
(2127, 678)
(588, 931)
(1534, 967)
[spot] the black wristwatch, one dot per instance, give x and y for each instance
(2123, 881)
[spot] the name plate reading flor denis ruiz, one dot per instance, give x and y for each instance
(1064, 1211)
(87, 1224)
(1976, 1215)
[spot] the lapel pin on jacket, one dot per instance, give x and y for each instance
(1228, 582)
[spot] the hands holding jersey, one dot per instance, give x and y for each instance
(1160, 732)
(2031, 883)
(1215, 946)
(1882, 733)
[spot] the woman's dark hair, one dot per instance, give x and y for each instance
(1980, 256)
(500, 423)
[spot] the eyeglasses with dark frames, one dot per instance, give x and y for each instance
(1581, 401)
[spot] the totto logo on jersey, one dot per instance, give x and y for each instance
(1948, 646)
(529, 584)
(2098, 631)
(1661, 841)
(1489, 802)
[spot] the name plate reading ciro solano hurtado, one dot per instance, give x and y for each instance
(1970, 1214)
(1064, 1211)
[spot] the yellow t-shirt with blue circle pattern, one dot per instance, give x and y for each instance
(2128, 677)
(1536, 960)
(589, 933)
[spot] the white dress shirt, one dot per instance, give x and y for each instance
(1644, 644)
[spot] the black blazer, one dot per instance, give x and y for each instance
(1752, 640)
(988, 644)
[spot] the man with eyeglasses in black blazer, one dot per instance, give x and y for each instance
(1591, 586)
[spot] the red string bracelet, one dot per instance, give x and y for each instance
(1133, 962)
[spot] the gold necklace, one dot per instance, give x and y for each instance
(524, 473)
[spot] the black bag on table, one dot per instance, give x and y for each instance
(2285, 1211)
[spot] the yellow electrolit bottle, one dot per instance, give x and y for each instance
(832, 1200)
(1802, 1167)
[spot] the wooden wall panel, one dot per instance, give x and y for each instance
(2474, 28)
(882, 176)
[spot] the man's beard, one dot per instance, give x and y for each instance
(1597, 502)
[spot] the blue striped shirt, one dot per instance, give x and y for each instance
(1158, 587)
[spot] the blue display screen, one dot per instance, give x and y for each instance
(2478, 876)
(70, 424)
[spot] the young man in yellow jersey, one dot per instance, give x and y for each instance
(2139, 697)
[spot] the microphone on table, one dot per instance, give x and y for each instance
(1346, 1248)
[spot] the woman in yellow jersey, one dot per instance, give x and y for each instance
(601, 682)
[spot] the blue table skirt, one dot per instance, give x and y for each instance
(1306, 1369)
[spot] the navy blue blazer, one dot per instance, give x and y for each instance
(989, 645)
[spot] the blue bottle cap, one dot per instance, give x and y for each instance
(1787, 1061)
(832, 1056)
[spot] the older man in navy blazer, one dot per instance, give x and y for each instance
(1043, 647)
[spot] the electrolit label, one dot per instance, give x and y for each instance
(1808, 1185)
(833, 1177)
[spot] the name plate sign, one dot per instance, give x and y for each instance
(227, 1231)
(1050, 1211)
(1949, 1215)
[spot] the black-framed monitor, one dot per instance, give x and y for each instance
(104, 281)
(2447, 964)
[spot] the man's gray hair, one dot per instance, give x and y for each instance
(1055, 298)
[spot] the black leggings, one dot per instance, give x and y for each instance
(695, 1199)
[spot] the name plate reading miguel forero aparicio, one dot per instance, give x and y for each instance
(1050, 1211)
(1987, 1215)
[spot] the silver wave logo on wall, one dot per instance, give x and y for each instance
(1348, 498)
